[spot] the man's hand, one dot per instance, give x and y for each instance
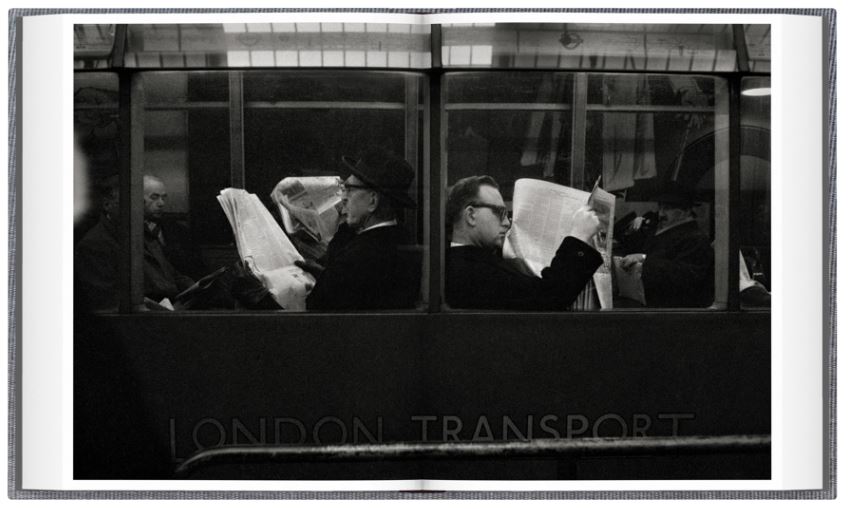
(632, 261)
(636, 224)
(314, 268)
(585, 224)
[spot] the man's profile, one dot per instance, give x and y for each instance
(676, 262)
(477, 276)
(365, 265)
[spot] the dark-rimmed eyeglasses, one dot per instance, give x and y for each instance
(346, 188)
(498, 210)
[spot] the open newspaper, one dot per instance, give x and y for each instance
(265, 249)
(541, 219)
(309, 204)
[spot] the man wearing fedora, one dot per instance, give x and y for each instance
(365, 269)
(677, 261)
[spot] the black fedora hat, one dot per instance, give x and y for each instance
(677, 195)
(389, 175)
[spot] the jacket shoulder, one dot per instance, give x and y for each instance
(97, 240)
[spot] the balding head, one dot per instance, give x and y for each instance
(155, 195)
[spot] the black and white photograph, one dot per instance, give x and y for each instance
(384, 311)
(434, 250)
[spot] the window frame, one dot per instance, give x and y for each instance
(131, 148)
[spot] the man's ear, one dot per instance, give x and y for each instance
(373, 201)
(469, 215)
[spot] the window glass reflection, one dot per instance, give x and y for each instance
(596, 46)
(758, 45)
(211, 45)
(93, 46)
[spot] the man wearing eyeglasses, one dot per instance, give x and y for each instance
(365, 268)
(477, 276)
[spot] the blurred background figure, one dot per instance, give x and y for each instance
(97, 253)
(677, 261)
(81, 201)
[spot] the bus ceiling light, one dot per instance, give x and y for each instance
(757, 92)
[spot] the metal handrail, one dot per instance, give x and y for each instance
(464, 450)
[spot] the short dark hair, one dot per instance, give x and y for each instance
(463, 192)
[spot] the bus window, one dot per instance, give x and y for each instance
(315, 124)
(207, 131)
(502, 126)
(652, 141)
(186, 162)
(643, 136)
(509, 126)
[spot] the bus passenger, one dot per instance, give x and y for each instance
(477, 276)
(676, 262)
(173, 238)
(365, 266)
(96, 254)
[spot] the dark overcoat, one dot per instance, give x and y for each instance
(479, 278)
(96, 268)
(371, 271)
(679, 268)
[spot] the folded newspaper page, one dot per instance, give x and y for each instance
(309, 204)
(541, 219)
(603, 203)
(265, 249)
